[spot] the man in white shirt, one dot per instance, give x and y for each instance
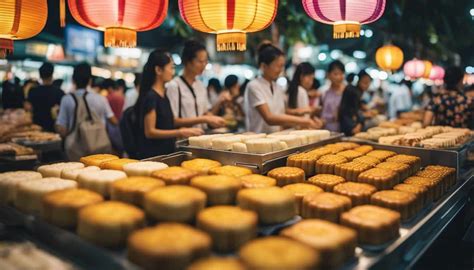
(399, 101)
(188, 96)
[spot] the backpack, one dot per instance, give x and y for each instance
(88, 135)
(129, 125)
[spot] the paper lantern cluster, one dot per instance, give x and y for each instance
(346, 16)
(230, 20)
(389, 58)
(20, 20)
(120, 20)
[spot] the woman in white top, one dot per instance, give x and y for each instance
(264, 101)
(188, 96)
(298, 98)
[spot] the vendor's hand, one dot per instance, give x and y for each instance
(190, 132)
(215, 121)
(224, 96)
(312, 124)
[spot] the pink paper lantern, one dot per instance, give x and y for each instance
(346, 16)
(437, 73)
(414, 69)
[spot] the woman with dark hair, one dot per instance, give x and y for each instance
(332, 98)
(188, 96)
(300, 85)
(157, 133)
(214, 88)
(450, 107)
(264, 101)
(351, 117)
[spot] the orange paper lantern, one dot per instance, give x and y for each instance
(20, 20)
(389, 57)
(119, 19)
(428, 67)
(229, 19)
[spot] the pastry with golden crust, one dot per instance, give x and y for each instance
(217, 263)
(403, 202)
(273, 205)
(175, 175)
(379, 178)
(402, 170)
(276, 252)
(381, 154)
(335, 243)
(168, 246)
(350, 154)
(174, 203)
(132, 190)
(201, 165)
(433, 186)
(358, 192)
(364, 149)
(96, 160)
(220, 189)
(374, 225)
(229, 226)
(351, 170)
(257, 181)
(61, 207)
(109, 224)
(229, 170)
(436, 177)
(326, 164)
(116, 164)
(287, 175)
(325, 205)
(300, 190)
(326, 181)
(413, 161)
(421, 192)
(372, 161)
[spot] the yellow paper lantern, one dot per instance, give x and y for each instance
(230, 20)
(20, 20)
(428, 67)
(389, 57)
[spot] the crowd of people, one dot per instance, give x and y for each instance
(147, 120)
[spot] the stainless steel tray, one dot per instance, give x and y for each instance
(259, 163)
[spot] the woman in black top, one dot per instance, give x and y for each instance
(351, 117)
(157, 130)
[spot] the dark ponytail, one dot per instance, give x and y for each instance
(301, 70)
(158, 58)
(267, 53)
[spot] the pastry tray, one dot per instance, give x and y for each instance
(258, 163)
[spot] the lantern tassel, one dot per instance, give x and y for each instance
(62, 13)
(6, 47)
(346, 30)
(120, 37)
(232, 41)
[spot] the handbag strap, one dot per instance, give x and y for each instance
(89, 114)
(191, 89)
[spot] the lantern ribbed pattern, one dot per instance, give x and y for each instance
(229, 19)
(437, 73)
(120, 19)
(345, 15)
(20, 19)
(414, 69)
(428, 67)
(389, 57)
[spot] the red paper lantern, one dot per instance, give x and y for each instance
(20, 20)
(437, 73)
(230, 20)
(414, 69)
(119, 19)
(346, 16)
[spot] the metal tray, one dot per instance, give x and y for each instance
(258, 163)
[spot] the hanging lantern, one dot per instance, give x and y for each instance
(20, 20)
(389, 58)
(428, 67)
(119, 19)
(345, 16)
(437, 73)
(230, 20)
(414, 69)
